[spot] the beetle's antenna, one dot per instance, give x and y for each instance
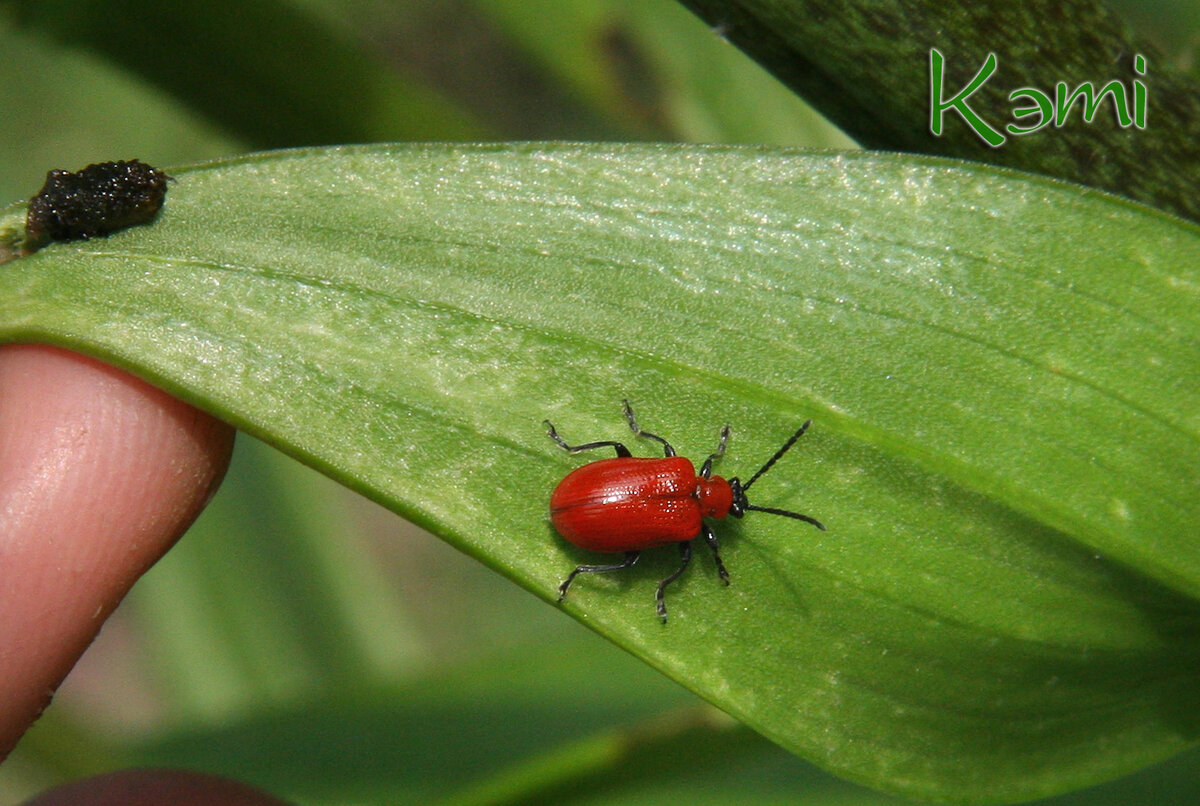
(771, 462)
(787, 514)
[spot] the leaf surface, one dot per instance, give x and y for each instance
(1001, 370)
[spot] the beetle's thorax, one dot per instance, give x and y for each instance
(716, 496)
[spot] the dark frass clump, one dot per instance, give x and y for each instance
(100, 199)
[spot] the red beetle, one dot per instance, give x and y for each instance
(629, 504)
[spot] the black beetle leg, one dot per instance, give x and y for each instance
(631, 557)
(710, 538)
(685, 554)
(622, 451)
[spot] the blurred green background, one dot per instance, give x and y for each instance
(299, 637)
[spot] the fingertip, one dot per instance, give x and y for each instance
(154, 788)
(100, 473)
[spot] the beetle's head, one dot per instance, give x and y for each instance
(738, 508)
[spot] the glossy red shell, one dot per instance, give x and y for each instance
(630, 504)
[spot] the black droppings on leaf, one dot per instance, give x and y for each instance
(100, 199)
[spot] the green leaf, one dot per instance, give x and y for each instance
(866, 65)
(657, 69)
(270, 72)
(1001, 370)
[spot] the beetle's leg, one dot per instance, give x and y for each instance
(710, 538)
(685, 555)
(706, 470)
(630, 558)
(667, 449)
(622, 451)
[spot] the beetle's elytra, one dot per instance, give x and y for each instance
(628, 504)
